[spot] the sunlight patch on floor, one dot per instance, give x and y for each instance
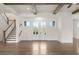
(39, 48)
(43, 48)
(35, 48)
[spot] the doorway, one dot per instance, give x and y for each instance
(39, 30)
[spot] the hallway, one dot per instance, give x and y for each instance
(37, 48)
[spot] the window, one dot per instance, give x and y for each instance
(52, 23)
(24, 23)
(43, 24)
(36, 24)
(27, 23)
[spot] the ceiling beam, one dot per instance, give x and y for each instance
(76, 11)
(69, 5)
(34, 3)
(34, 9)
(58, 8)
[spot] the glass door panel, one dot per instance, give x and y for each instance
(39, 30)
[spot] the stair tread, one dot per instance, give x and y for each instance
(12, 40)
(12, 36)
(13, 33)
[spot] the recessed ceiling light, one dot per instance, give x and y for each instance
(28, 8)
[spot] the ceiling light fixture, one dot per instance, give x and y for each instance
(28, 8)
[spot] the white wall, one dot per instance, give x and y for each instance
(65, 27)
(76, 28)
(62, 33)
(3, 25)
(27, 34)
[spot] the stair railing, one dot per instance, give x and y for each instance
(8, 30)
(20, 30)
(5, 16)
(20, 33)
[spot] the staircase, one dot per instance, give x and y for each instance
(12, 37)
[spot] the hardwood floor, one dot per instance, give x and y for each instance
(37, 48)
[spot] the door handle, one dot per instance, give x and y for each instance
(36, 33)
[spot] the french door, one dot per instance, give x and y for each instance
(39, 30)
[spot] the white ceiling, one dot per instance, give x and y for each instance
(40, 8)
(21, 8)
(46, 8)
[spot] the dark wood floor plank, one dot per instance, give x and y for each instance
(26, 48)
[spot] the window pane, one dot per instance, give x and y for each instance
(35, 24)
(24, 23)
(52, 23)
(28, 23)
(43, 24)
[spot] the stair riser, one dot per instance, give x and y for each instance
(11, 36)
(13, 32)
(11, 39)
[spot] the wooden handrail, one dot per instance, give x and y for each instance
(5, 16)
(9, 26)
(20, 33)
(20, 25)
